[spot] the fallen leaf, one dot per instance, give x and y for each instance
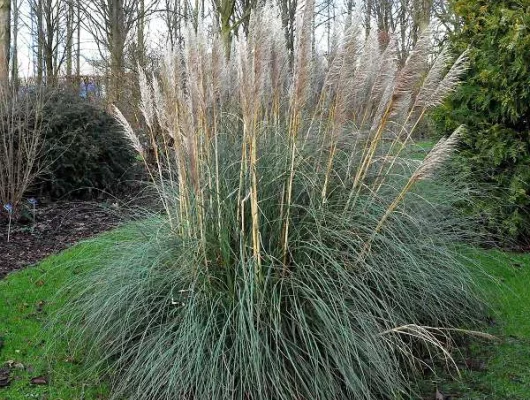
(40, 305)
(39, 380)
(4, 376)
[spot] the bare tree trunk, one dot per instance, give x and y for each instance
(112, 24)
(288, 11)
(350, 5)
(116, 49)
(14, 53)
(40, 41)
(403, 26)
(48, 42)
(78, 51)
(69, 39)
(329, 5)
(141, 33)
(404, 17)
(196, 16)
(368, 5)
(421, 15)
(225, 12)
(57, 61)
(246, 7)
(172, 18)
(5, 40)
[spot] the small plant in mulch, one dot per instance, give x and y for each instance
(20, 215)
(9, 209)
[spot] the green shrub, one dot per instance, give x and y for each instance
(494, 103)
(300, 256)
(85, 146)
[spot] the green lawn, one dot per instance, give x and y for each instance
(506, 361)
(28, 297)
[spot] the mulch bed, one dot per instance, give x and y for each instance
(55, 227)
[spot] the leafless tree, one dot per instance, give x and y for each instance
(55, 27)
(176, 14)
(5, 40)
(288, 17)
(173, 16)
(70, 26)
(405, 18)
(232, 17)
(112, 24)
(14, 49)
(449, 21)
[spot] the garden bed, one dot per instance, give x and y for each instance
(56, 226)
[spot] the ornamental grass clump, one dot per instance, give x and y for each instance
(301, 255)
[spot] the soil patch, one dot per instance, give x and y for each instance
(52, 228)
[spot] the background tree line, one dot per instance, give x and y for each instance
(119, 30)
(492, 102)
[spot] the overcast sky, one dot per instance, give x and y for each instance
(155, 36)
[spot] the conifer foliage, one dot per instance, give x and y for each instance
(494, 103)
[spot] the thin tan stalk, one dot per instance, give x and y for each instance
(297, 102)
(367, 159)
(436, 157)
(434, 89)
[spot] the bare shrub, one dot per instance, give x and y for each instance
(21, 140)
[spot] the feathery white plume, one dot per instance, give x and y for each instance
(146, 105)
(129, 132)
(438, 155)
